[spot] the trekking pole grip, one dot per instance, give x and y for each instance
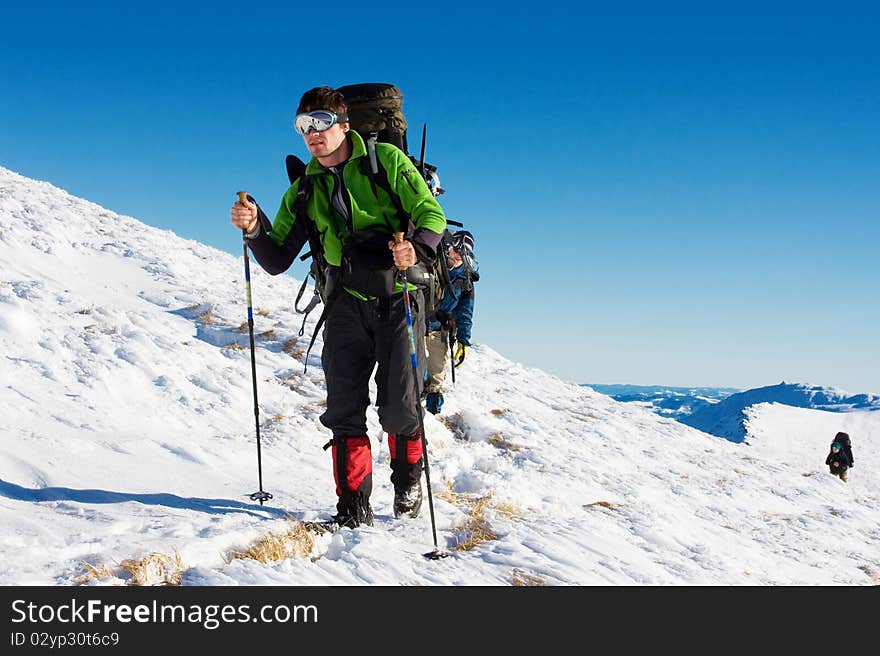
(398, 237)
(243, 199)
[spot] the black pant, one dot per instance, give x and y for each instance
(357, 336)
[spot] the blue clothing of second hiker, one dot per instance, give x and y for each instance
(458, 303)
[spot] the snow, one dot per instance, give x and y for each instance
(126, 415)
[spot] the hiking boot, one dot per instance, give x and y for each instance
(434, 402)
(352, 517)
(408, 502)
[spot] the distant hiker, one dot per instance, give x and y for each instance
(453, 318)
(840, 458)
(351, 222)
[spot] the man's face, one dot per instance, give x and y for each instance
(324, 144)
(453, 258)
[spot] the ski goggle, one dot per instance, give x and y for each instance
(835, 446)
(317, 120)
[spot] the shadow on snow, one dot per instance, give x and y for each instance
(213, 506)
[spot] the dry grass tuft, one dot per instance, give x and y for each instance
(84, 311)
(263, 313)
(297, 540)
(456, 426)
(451, 496)
(243, 327)
(476, 528)
(152, 570)
(604, 504)
(267, 334)
(507, 511)
(522, 578)
(476, 531)
(289, 347)
(207, 317)
(94, 573)
(497, 440)
(155, 569)
(499, 411)
(234, 346)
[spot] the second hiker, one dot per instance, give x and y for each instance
(453, 319)
(350, 217)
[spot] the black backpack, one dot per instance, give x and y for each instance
(377, 109)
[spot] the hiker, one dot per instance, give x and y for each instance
(365, 321)
(840, 458)
(453, 319)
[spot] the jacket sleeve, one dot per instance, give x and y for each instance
(276, 247)
(464, 316)
(828, 459)
(416, 199)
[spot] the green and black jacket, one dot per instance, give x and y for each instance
(370, 207)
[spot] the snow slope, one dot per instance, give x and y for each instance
(126, 428)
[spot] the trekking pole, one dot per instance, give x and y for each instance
(422, 153)
(436, 554)
(451, 355)
(451, 330)
(260, 496)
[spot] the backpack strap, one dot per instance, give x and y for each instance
(300, 209)
(378, 175)
(314, 334)
(316, 298)
(371, 152)
(319, 264)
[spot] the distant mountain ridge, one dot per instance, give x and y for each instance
(673, 402)
(727, 418)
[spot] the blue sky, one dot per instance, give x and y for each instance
(685, 196)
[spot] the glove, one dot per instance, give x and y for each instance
(460, 352)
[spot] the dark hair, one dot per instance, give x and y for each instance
(322, 98)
